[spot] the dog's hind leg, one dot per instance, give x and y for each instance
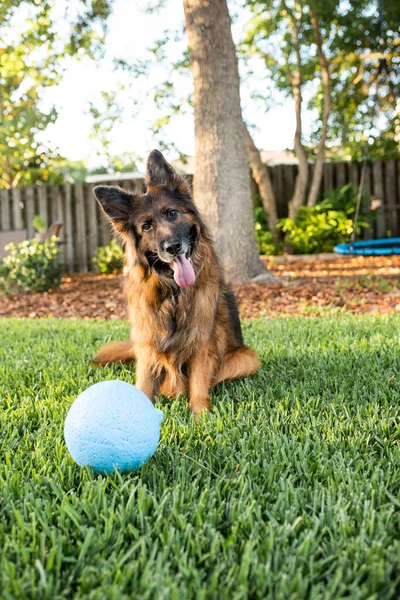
(115, 352)
(240, 362)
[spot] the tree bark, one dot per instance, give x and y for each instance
(300, 189)
(222, 181)
(326, 83)
(261, 177)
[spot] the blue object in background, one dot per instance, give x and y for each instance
(112, 424)
(382, 247)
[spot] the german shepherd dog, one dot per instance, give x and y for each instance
(185, 329)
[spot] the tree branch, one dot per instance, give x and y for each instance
(326, 83)
(302, 177)
(261, 176)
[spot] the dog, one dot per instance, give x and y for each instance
(185, 329)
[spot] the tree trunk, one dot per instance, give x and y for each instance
(300, 189)
(222, 180)
(326, 82)
(261, 177)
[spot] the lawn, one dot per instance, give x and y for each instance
(289, 489)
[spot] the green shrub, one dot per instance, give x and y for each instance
(266, 243)
(342, 199)
(109, 259)
(319, 228)
(31, 266)
(39, 224)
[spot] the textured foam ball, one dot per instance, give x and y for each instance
(112, 424)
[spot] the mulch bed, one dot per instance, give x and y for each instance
(355, 285)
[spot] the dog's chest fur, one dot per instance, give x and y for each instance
(170, 319)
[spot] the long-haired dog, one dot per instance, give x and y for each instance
(185, 329)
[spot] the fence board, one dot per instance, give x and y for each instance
(283, 193)
(368, 234)
(42, 203)
(29, 210)
(5, 217)
(59, 203)
(340, 174)
(103, 226)
(67, 225)
(310, 178)
(93, 237)
(328, 177)
(354, 176)
(287, 183)
(277, 185)
(390, 195)
(52, 203)
(17, 208)
(81, 253)
(378, 192)
(290, 174)
(61, 217)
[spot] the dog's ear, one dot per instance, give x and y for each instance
(116, 203)
(160, 173)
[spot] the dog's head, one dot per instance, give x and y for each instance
(162, 226)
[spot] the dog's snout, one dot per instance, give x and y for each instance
(171, 247)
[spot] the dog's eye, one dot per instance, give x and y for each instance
(171, 214)
(146, 226)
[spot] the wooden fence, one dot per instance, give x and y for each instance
(84, 226)
(382, 180)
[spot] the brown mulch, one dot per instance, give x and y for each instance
(355, 285)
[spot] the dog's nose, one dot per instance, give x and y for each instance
(171, 247)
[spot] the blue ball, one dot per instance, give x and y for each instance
(112, 424)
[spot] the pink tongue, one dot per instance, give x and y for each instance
(183, 271)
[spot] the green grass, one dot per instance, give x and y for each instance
(289, 489)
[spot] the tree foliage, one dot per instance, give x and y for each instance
(35, 38)
(351, 37)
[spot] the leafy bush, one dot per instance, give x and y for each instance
(109, 259)
(31, 266)
(39, 224)
(266, 243)
(342, 199)
(319, 228)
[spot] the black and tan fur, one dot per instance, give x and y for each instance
(184, 339)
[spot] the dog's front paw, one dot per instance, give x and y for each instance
(199, 406)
